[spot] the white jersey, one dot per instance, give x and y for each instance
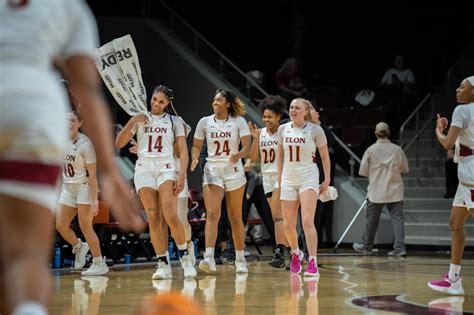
(463, 117)
(268, 144)
(79, 153)
(32, 35)
(222, 136)
(300, 144)
(156, 138)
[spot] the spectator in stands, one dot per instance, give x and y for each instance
(156, 179)
(451, 174)
(33, 136)
(223, 172)
(80, 196)
(289, 80)
(399, 77)
(383, 163)
(323, 217)
(264, 146)
(461, 136)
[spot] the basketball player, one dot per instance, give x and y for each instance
(460, 135)
(182, 213)
(265, 144)
(298, 176)
(79, 195)
(156, 180)
(223, 172)
(34, 135)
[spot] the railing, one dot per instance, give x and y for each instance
(353, 157)
(427, 100)
(203, 49)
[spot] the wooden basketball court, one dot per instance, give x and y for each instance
(348, 285)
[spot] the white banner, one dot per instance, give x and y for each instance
(118, 65)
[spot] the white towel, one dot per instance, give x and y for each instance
(329, 194)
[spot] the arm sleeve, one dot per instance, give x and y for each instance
(89, 153)
(82, 35)
(364, 164)
(200, 132)
(243, 127)
(461, 117)
(317, 133)
(178, 127)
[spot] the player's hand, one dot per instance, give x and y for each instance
(140, 118)
(95, 207)
(134, 148)
(194, 163)
(234, 158)
(253, 130)
(324, 186)
(123, 205)
(441, 123)
(179, 185)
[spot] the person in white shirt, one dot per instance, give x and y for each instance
(79, 195)
(298, 178)
(265, 147)
(460, 136)
(399, 77)
(223, 173)
(156, 180)
(34, 35)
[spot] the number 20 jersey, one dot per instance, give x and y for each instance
(268, 144)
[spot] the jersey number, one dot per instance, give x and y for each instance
(225, 148)
(268, 156)
(69, 170)
(294, 150)
(158, 144)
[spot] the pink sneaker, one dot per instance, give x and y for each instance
(295, 266)
(446, 286)
(312, 269)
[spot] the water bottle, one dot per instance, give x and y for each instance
(196, 247)
(171, 249)
(57, 258)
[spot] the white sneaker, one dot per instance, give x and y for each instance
(96, 269)
(189, 286)
(80, 255)
(208, 287)
(98, 284)
(241, 266)
(163, 271)
(240, 283)
(80, 298)
(162, 286)
(191, 252)
(208, 264)
(188, 267)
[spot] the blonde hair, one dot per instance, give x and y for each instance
(237, 108)
(307, 105)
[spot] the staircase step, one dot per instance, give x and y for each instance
(427, 203)
(434, 229)
(418, 192)
(427, 216)
(426, 171)
(416, 182)
(426, 162)
(426, 152)
(432, 240)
